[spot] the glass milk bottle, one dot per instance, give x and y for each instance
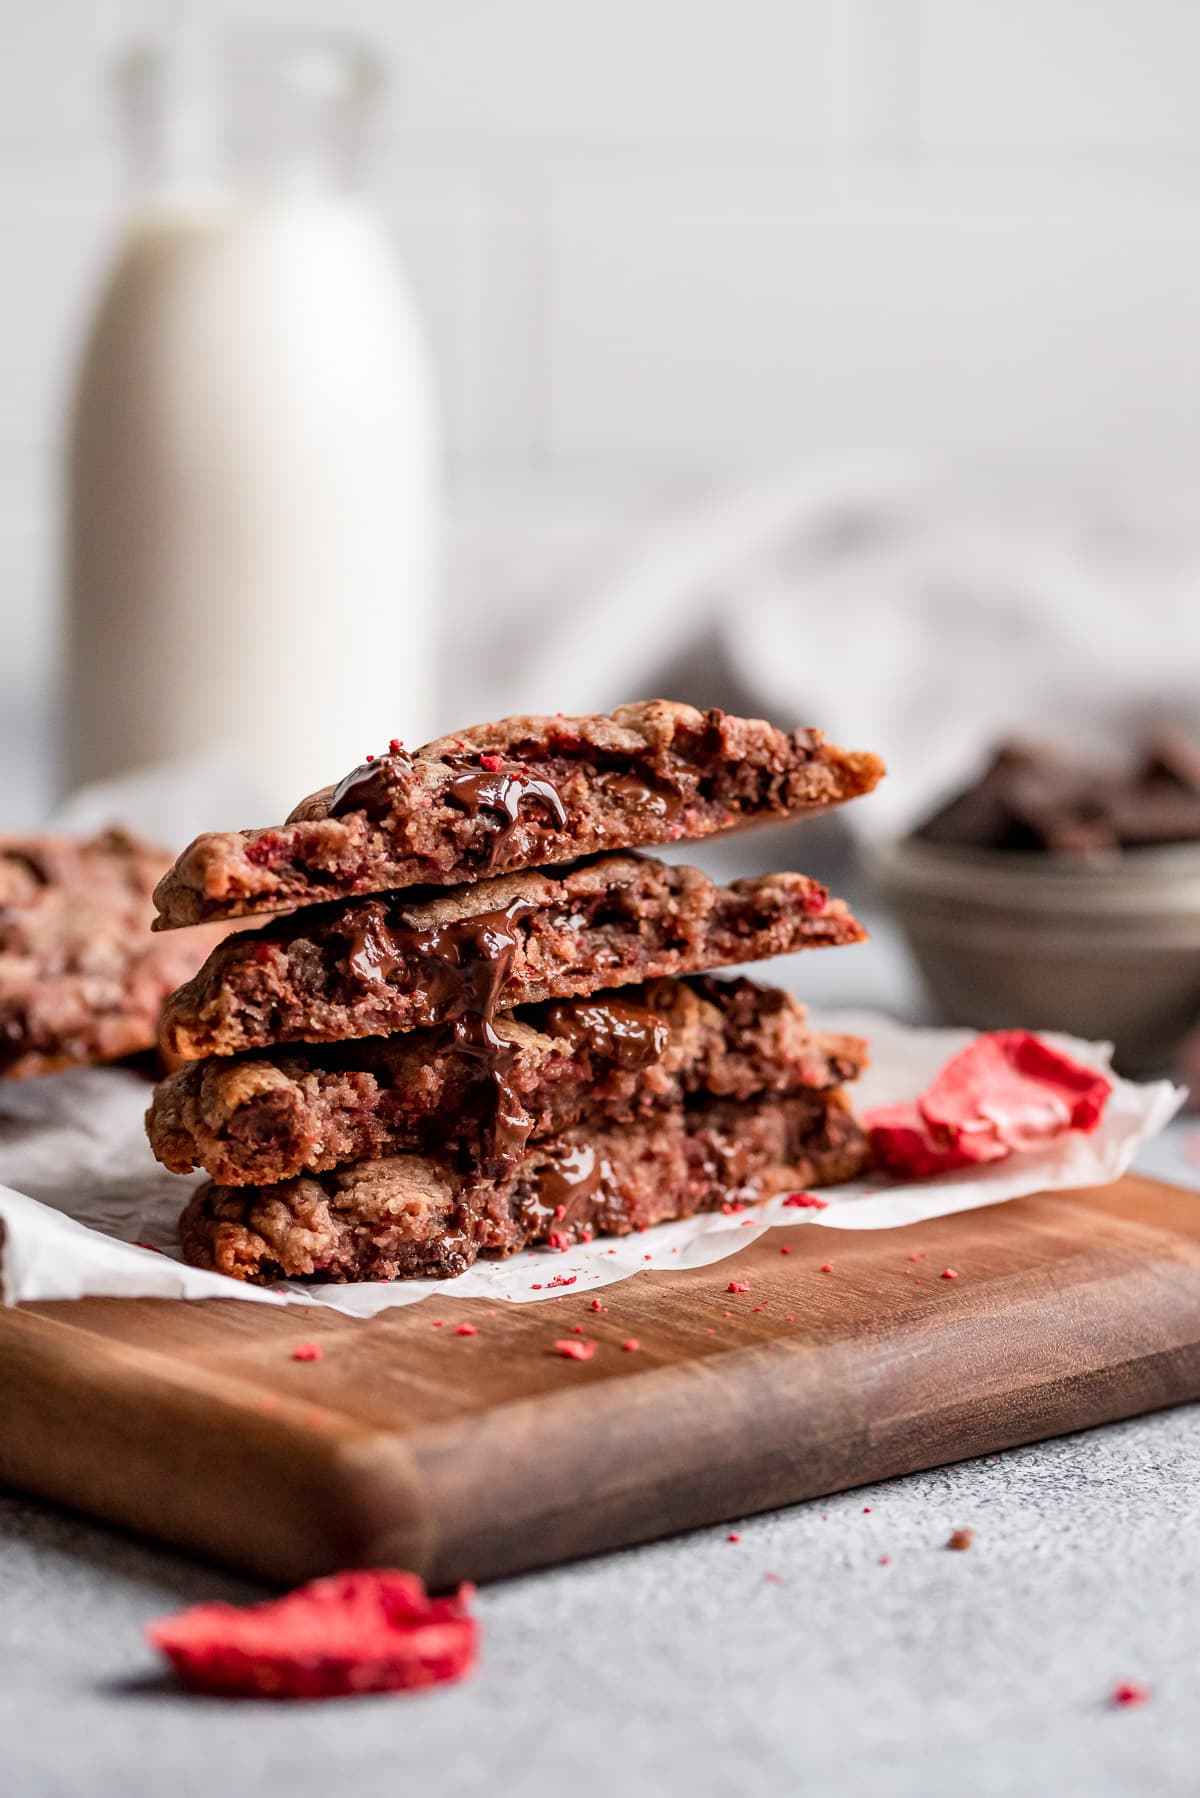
(253, 466)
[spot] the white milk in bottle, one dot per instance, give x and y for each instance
(253, 467)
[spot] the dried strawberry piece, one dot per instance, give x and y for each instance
(1007, 1091)
(904, 1145)
(374, 1630)
(806, 1201)
(1016, 1089)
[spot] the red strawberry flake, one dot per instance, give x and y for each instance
(949, 1273)
(806, 1201)
(738, 1286)
(573, 1349)
(493, 763)
(438, 1322)
(563, 1280)
(960, 1540)
(395, 745)
(785, 1250)
(733, 1536)
(307, 1351)
(465, 1330)
(557, 1239)
(866, 1510)
(153, 1247)
(577, 1329)
(363, 1631)
(827, 1267)
(885, 1560)
(631, 1346)
(597, 1306)
(1129, 1693)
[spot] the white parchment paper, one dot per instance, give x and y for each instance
(86, 1209)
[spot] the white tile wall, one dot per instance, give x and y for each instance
(671, 234)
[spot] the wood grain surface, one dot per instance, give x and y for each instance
(474, 1456)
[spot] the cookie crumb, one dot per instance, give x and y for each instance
(960, 1539)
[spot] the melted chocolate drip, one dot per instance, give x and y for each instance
(507, 1123)
(371, 787)
(613, 1030)
(461, 966)
(504, 791)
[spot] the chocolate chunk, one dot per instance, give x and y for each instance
(1032, 800)
(520, 794)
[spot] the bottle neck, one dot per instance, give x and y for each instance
(251, 115)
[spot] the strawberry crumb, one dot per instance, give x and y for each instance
(573, 1350)
(307, 1351)
(885, 1560)
(577, 1329)
(806, 1201)
(439, 1323)
(772, 1579)
(563, 1280)
(557, 1239)
(733, 1536)
(960, 1539)
(785, 1250)
(827, 1267)
(949, 1273)
(866, 1510)
(395, 745)
(560, 1211)
(737, 1286)
(917, 1255)
(1129, 1693)
(465, 1330)
(493, 763)
(631, 1346)
(596, 1305)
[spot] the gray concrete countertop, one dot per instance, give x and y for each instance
(873, 1662)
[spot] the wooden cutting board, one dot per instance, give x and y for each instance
(476, 1455)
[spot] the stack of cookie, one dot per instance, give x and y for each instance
(480, 1022)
